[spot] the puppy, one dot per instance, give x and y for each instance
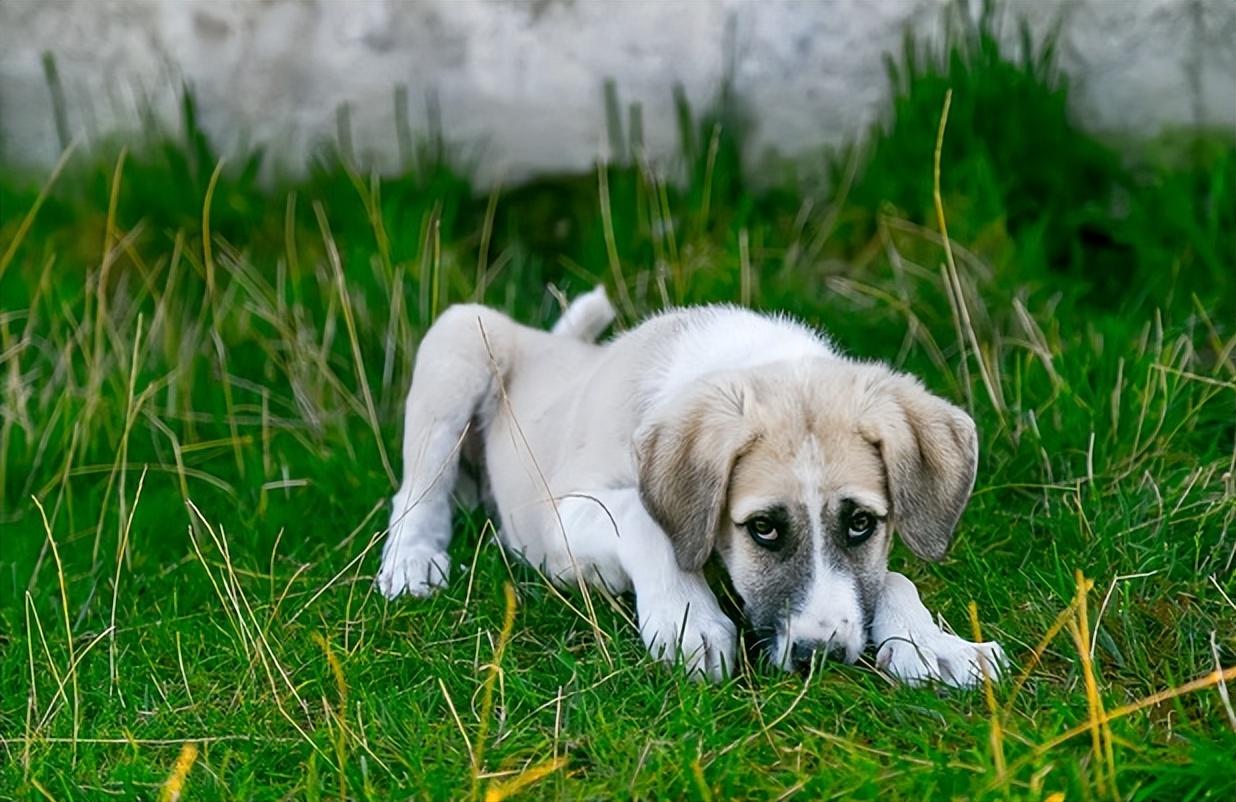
(704, 431)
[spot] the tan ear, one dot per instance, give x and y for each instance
(930, 451)
(685, 455)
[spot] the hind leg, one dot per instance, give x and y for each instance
(584, 320)
(458, 368)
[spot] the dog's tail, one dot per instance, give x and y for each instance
(586, 317)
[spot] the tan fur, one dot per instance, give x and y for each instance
(930, 451)
(631, 464)
(685, 458)
(882, 434)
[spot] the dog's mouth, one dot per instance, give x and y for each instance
(765, 640)
(770, 645)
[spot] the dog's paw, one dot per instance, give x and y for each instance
(964, 664)
(909, 662)
(949, 660)
(705, 646)
(415, 569)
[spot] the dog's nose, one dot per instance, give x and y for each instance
(802, 651)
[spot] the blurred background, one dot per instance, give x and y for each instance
(521, 84)
(225, 227)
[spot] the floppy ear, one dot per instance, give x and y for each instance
(685, 455)
(930, 452)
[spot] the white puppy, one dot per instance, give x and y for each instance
(704, 431)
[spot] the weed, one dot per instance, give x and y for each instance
(201, 375)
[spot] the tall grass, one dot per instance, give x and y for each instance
(201, 377)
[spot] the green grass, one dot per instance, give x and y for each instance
(201, 413)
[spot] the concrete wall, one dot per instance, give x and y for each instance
(522, 79)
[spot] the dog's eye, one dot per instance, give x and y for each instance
(861, 526)
(763, 530)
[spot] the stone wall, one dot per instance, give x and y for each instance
(520, 82)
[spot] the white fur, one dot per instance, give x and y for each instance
(558, 417)
(832, 613)
(912, 648)
(727, 338)
(586, 317)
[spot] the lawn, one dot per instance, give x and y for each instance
(203, 375)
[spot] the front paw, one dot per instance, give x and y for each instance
(948, 659)
(415, 569)
(706, 644)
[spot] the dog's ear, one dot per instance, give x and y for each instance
(930, 452)
(685, 455)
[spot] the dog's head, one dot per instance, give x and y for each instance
(796, 475)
